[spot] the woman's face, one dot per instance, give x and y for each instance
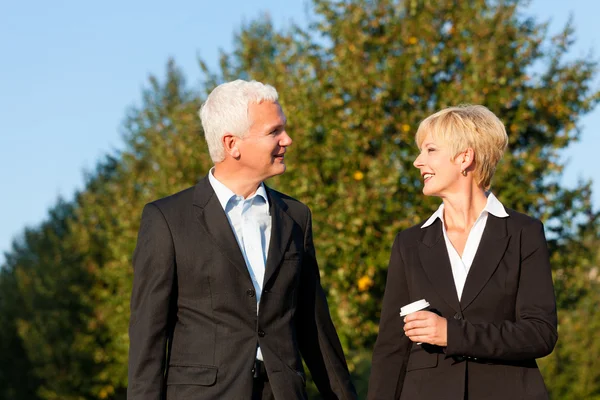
(439, 173)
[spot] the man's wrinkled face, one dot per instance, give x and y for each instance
(262, 149)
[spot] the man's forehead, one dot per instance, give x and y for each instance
(264, 105)
(266, 110)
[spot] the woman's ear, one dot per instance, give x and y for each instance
(468, 159)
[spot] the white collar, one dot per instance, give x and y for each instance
(493, 206)
(224, 194)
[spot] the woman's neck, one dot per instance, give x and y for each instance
(462, 210)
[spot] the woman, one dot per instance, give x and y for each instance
(483, 268)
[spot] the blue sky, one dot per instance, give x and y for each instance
(70, 69)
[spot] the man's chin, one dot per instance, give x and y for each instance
(276, 170)
(280, 169)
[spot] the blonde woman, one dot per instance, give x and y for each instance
(484, 270)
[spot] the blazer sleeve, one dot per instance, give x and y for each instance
(391, 351)
(533, 333)
(317, 338)
(153, 278)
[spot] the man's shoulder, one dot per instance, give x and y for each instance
(175, 199)
(293, 205)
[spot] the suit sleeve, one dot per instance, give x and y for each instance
(391, 351)
(533, 333)
(317, 338)
(153, 278)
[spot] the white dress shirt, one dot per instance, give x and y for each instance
(461, 265)
(250, 221)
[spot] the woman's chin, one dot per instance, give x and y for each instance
(428, 191)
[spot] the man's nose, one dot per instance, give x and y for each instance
(286, 140)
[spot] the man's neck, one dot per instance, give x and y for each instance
(235, 181)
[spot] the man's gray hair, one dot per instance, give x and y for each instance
(226, 111)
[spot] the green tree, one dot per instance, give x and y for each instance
(49, 308)
(572, 370)
(17, 380)
(73, 272)
(164, 153)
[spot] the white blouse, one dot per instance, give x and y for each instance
(461, 265)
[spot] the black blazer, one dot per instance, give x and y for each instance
(193, 296)
(506, 317)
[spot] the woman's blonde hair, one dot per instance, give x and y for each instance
(467, 126)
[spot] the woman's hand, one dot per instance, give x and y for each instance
(426, 327)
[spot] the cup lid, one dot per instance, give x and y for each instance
(413, 307)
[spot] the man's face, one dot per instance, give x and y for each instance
(262, 149)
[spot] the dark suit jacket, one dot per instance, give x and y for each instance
(505, 319)
(192, 295)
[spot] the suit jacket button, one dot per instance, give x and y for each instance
(457, 316)
(250, 292)
(261, 333)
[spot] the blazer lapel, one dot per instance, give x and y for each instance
(281, 232)
(489, 253)
(436, 263)
(212, 218)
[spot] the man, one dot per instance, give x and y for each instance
(226, 289)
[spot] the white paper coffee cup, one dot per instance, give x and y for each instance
(414, 307)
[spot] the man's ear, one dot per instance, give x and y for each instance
(230, 145)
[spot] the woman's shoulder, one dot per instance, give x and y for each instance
(523, 224)
(520, 219)
(416, 232)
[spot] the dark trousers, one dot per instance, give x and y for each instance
(261, 389)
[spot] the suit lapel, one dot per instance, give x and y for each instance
(281, 232)
(436, 263)
(213, 220)
(489, 253)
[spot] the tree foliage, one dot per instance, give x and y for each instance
(354, 86)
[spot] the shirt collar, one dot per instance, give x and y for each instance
(493, 206)
(224, 194)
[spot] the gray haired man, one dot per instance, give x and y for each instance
(227, 299)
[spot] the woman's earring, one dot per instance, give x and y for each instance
(464, 172)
